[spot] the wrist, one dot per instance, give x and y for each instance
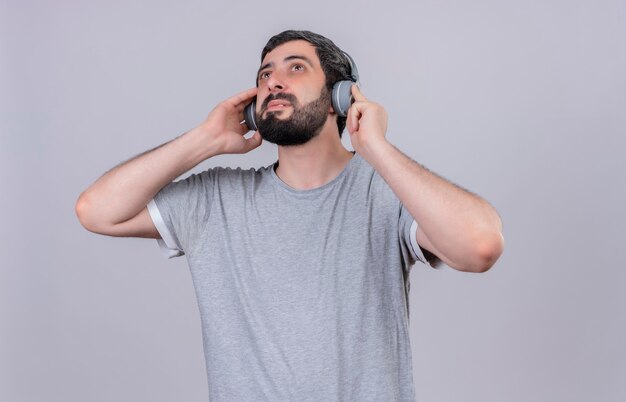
(374, 151)
(200, 145)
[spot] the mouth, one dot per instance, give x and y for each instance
(277, 104)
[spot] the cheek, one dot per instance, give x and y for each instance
(261, 95)
(259, 102)
(308, 97)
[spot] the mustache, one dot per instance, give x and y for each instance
(289, 97)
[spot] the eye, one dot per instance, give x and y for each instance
(264, 75)
(297, 67)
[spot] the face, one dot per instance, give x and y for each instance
(293, 102)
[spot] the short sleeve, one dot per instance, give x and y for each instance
(180, 211)
(408, 228)
(167, 243)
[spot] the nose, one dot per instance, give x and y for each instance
(275, 84)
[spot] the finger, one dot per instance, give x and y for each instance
(242, 98)
(353, 119)
(243, 125)
(358, 95)
(243, 128)
(253, 142)
(349, 122)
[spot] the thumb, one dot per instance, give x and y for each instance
(357, 94)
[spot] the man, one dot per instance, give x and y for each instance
(300, 268)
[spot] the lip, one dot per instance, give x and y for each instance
(278, 104)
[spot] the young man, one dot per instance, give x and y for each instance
(301, 269)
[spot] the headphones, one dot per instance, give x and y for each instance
(341, 97)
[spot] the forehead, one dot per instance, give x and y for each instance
(292, 48)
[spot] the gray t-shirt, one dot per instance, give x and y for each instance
(303, 294)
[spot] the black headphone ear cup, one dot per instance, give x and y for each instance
(342, 97)
(249, 115)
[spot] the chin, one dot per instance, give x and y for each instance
(278, 114)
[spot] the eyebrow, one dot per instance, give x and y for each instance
(288, 58)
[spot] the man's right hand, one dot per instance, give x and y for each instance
(223, 125)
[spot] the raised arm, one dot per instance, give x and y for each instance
(459, 227)
(115, 204)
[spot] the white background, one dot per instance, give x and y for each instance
(522, 102)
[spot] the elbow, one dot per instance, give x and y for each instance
(487, 252)
(82, 211)
(483, 254)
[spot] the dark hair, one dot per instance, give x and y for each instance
(334, 62)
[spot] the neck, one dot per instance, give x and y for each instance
(315, 163)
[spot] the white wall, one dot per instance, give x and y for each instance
(520, 102)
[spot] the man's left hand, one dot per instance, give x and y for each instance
(366, 123)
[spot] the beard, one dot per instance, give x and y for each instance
(305, 122)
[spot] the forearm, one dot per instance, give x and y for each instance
(125, 190)
(458, 224)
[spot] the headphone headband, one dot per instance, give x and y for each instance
(354, 72)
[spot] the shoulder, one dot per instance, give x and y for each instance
(222, 173)
(224, 178)
(229, 173)
(365, 181)
(217, 177)
(363, 171)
